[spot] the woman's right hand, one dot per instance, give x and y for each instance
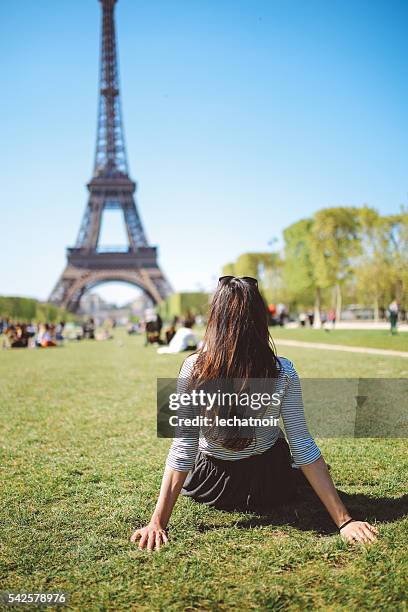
(359, 531)
(151, 537)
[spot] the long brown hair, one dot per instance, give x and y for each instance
(237, 343)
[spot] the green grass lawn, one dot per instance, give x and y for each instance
(81, 468)
(371, 338)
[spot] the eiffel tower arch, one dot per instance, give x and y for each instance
(88, 264)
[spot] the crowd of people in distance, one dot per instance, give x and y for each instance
(328, 319)
(277, 314)
(15, 334)
(92, 332)
(178, 336)
(30, 335)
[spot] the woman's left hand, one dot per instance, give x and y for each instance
(359, 531)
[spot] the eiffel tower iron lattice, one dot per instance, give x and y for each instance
(110, 188)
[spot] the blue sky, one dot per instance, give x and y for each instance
(240, 118)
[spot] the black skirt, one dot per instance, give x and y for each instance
(259, 483)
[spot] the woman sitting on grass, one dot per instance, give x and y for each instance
(252, 472)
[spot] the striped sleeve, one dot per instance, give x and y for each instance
(183, 451)
(303, 447)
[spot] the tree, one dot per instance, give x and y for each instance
(351, 252)
(265, 267)
(373, 269)
(298, 272)
(334, 245)
(28, 309)
(397, 229)
(247, 264)
(228, 270)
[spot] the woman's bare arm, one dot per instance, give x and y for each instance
(319, 477)
(153, 535)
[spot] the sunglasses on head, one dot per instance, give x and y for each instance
(248, 279)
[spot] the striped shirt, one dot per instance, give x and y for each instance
(183, 451)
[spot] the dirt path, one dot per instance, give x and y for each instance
(342, 347)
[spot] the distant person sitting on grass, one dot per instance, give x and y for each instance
(153, 327)
(252, 473)
(46, 336)
(169, 333)
(59, 332)
(18, 336)
(183, 340)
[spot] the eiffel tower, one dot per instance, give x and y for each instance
(110, 188)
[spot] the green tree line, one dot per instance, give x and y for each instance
(28, 309)
(339, 256)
